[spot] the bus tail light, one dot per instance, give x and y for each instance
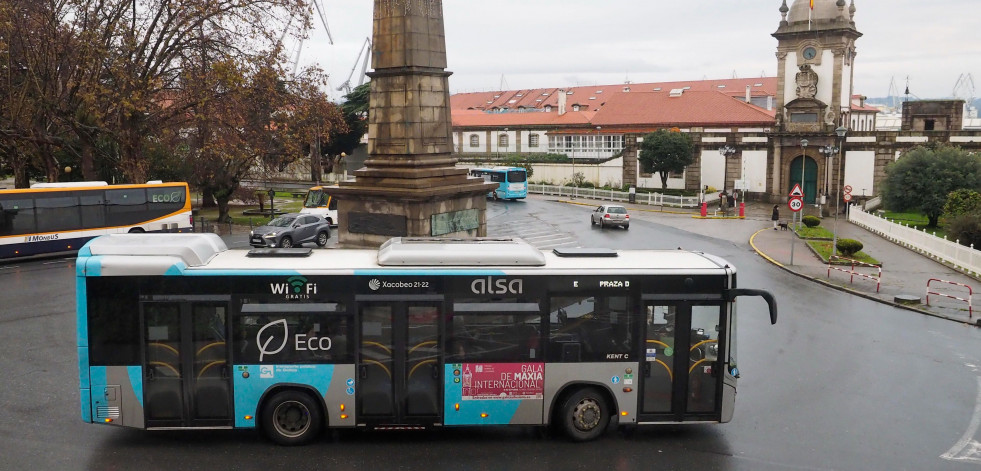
(343, 416)
(343, 407)
(483, 415)
(626, 390)
(456, 407)
(623, 413)
(107, 420)
(248, 417)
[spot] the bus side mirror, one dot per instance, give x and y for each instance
(771, 302)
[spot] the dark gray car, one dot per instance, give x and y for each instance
(291, 230)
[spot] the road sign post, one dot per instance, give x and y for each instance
(795, 203)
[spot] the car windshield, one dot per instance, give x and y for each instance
(282, 221)
(616, 210)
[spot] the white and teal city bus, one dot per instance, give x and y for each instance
(175, 331)
(512, 182)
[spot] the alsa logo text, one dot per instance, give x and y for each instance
(499, 286)
(296, 287)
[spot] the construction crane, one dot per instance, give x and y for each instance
(366, 52)
(299, 47)
(893, 95)
(964, 90)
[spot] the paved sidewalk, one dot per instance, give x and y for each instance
(904, 272)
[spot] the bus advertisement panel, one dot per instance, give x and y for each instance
(296, 341)
(61, 217)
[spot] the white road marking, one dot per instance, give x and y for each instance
(968, 449)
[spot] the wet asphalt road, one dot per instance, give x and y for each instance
(840, 383)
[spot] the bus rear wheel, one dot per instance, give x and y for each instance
(291, 418)
(585, 415)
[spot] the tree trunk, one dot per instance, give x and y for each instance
(88, 164)
(664, 180)
(208, 198)
(223, 209)
(316, 167)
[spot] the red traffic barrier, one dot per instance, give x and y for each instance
(742, 210)
(704, 209)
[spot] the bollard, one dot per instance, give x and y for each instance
(704, 209)
(742, 210)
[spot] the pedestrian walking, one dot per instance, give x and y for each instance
(775, 216)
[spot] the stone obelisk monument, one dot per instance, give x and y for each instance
(409, 185)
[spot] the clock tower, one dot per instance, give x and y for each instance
(815, 54)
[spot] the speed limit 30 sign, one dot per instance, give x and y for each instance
(795, 204)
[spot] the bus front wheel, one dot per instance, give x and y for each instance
(291, 418)
(585, 415)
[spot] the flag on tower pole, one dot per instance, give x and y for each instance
(809, 12)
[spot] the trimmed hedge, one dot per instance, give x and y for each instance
(812, 221)
(849, 247)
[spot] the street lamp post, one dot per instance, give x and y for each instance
(803, 166)
(803, 156)
(829, 152)
(501, 138)
(841, 131)
(575, 185)
(726, 151)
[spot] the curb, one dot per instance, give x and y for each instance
(848, 290)
(632, 208)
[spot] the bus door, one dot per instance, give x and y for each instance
(186, 378)
(399, 371)
(680, 364)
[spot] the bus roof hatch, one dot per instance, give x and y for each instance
(479, 251)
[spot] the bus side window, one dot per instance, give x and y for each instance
(590, 329)
(331, 203)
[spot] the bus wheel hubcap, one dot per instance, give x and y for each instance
(291, 419)
(587, 414)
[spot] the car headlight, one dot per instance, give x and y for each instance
(271, 235)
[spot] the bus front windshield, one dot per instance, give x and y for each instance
(315, 199)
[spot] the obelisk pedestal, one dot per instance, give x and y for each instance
(409, 186)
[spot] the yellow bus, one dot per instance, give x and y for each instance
(320, 202)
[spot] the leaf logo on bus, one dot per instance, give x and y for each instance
(500, 286)
(264, 346)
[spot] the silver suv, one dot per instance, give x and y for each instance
(291, 230)
(610, 215)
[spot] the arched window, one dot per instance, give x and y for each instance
(502, 140)
(474, 140)
(533, 140)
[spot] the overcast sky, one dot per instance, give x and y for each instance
(556, 43)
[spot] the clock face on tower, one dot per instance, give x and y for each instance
(809, 52)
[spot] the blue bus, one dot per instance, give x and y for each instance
(176, 331)
(512, 181)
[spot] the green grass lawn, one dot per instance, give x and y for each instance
(816, 232)
(823, 249)
(284, 201)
